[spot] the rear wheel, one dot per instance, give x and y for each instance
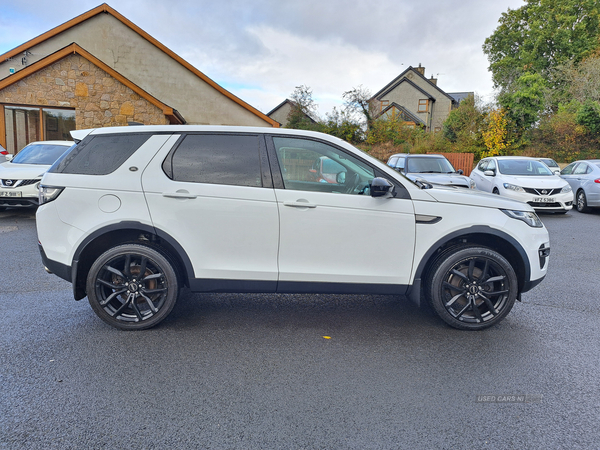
(581, 203)
(132, 287)
(472, 288)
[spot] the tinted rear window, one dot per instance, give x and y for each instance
(217, 159)
(100, 155)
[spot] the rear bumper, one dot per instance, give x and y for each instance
(60, 270)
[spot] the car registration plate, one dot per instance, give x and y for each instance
(10, 193)
(545, 200)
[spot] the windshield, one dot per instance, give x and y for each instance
(43, 154)
(523, 167)
(428, 165)
(549, 162)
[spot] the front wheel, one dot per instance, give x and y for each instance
(472, 288)
(132, 287)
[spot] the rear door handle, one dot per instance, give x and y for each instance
(181, 193)
(300, 204)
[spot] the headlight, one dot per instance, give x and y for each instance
(513, 187)
(529, 217)
(472, 184)
(48, 193)
(566, 189)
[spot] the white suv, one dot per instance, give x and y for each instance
(130, 215)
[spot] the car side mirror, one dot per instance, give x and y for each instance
(340, 178)
(490, 173)
(380, 187)
(459, 171)
(9, 157)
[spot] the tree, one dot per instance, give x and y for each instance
(580, 82)
(524, 100)
(304, 110)
(540, 36)
(495, 136)
(589, 116)
(343, 125)
(358, 100)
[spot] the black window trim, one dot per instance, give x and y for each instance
(401, 191)
(266, 179)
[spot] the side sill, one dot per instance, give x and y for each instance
(239, 286)
(293, 287)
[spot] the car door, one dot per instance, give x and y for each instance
(213, 195)
(486, 182)
(570, 176)
(336, 234)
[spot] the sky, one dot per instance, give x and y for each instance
(260, 50)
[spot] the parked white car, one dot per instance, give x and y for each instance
(20, 177)
(552, 165)
(130, 215)
(524, 179)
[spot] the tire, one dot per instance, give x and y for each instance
(472, 288)
(120, 298)
(496, 191)
(581, 202)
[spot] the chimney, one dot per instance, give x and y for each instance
(421, 70)
(433, 80)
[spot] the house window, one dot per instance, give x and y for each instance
(25, 124)
(423, 105)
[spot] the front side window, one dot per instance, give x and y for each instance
(316, 166)
(218, 159)
(581, 169)
(569, 169)
(483, 165)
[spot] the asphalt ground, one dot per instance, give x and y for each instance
(257, 371)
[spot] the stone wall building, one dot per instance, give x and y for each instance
(99, 69)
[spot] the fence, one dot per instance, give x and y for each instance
(463, 161)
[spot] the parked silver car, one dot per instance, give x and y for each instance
(584, 178)
(431, 168)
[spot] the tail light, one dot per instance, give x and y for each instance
(597, 180)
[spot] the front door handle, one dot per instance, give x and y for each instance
(300, 204)
(181, 193)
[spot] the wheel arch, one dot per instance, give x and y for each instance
(485, 236)
(126, 232)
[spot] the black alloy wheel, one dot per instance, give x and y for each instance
(132, 287)
(472, 288)
(581, 203)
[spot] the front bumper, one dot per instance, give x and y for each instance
(561, 202)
